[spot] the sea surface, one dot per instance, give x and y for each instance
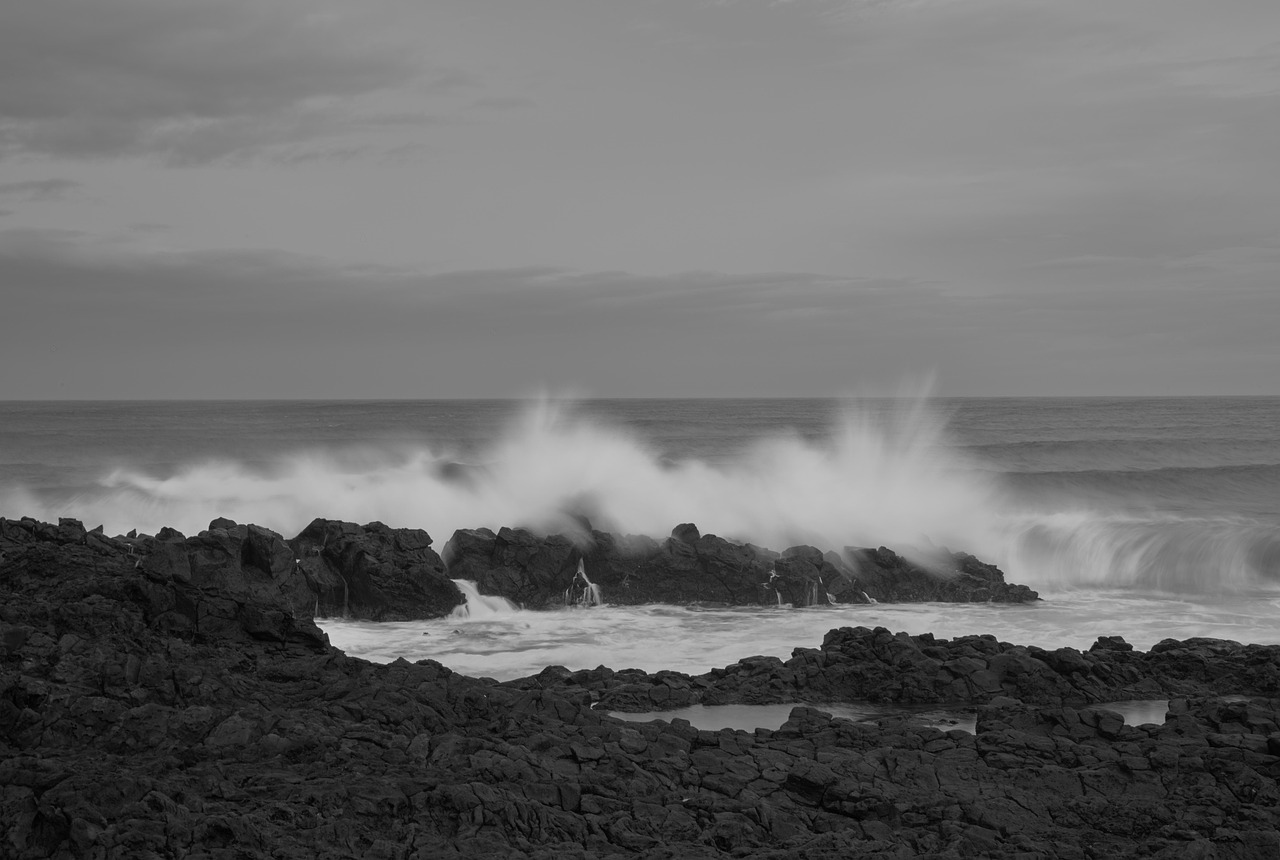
(1148, 518)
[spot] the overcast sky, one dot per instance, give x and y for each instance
(454, 198)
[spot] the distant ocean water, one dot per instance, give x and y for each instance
(1161, 515)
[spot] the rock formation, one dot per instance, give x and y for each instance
(865, 665)
(690, 567)
(373, 572)
(168, 697)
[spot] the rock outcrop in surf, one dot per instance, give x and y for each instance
(373, 572)
(162, 697)
(690, 567)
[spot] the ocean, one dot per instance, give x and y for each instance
(1148, 518)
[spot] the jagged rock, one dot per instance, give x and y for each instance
(686, 532)
(223, 582)
(1111, 643)
(373, 572)
(954, 578)
(237, 585)
(121, 735)
(532, 571)
(803, 577)
(690, 567)
(703, 569)
(875, 665)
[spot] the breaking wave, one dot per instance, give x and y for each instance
(877, 477)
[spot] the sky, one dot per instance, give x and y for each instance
(669, 198)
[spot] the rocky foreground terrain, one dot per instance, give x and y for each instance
(172, 697)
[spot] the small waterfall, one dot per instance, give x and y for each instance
(777, 593)
(590, 593)
(869, 598)
(479, 607)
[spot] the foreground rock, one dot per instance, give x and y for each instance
(689, 567)
(127, 729)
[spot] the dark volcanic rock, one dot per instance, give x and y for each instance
(126, 734)
(686, 568)
(690, 567)
(861, 664)
(237, 585)
(535, 572)
(958, 578)
(373, 572)
(804, 577)
(224, 581)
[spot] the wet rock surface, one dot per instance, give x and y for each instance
(139, 718)
(690, 567)
(533, 571)
(373, 572)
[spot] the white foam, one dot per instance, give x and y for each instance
(695, 641)
(480, 607)
(590, 594)
(872, 480)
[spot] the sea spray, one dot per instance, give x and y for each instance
(480, 607)
(881, 473)
(1152, 551)
(878, 477)
(582, 591)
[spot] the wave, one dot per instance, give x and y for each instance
(1167, 553)
(1252, 490)
(878, 477)
(1146, 453)
(892, 477)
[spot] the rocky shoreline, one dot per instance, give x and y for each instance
(169, 696)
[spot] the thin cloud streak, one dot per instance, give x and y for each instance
(260, 323)
(39, 189)
(192, 82)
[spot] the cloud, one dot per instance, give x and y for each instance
(502, 103)
(193, 80)
(39, 189)
(100, 318)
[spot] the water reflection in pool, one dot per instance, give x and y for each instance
(750, 717)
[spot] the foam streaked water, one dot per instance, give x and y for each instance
(696, 640)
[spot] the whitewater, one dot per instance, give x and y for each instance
(1144, 517)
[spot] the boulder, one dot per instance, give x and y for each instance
(226, 580)
(373, 572)
(887, 577)
(530, 570)
(226, 585)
